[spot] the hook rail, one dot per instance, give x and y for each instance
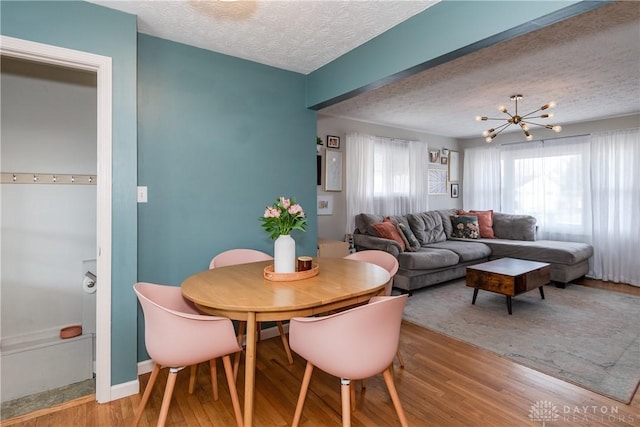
(48, 178)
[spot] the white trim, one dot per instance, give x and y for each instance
(129, 388)
(101, 65)
(145, 367)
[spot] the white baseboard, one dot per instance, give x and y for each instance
(271, 332)
(130, 388)
(145, 366)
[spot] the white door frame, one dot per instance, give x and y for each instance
(101, 65)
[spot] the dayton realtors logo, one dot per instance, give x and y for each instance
(545, 412)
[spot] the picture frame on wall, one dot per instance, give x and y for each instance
(454, 164)
(455, 191)
(333, 141)
(437, 181)
(332, 170)
(444, 160)
(325, 205)
(434, 156)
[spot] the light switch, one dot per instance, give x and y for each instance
(142, 194)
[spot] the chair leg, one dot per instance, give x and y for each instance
(303, 394)
(346, 404)
(388, 379)
(168, 392)
(352, 392)
(236, 359)
(192, 378)
(228, 370)
(147, 393)
(285, 343)
(214, 378)
(400, 360)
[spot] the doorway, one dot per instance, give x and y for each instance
(101, 66)
(48, 227)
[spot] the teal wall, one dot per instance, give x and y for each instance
(436, 32)
(89, 28)
(219, 138)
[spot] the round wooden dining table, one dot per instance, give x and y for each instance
(240, 292)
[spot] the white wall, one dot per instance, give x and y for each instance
(333, 227)
(47, 230)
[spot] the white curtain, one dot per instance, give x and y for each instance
(615, 182)
(481, 179)
(384, 176)
(550, 180)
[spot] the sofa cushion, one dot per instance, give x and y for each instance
(467, 250)
(364, 222)
(514, 227)
(387, 230)
(445, 216)
(412, 242)
(427, 226)
(551, 251)
(427, 259)
(485, 222)
(407, 245)
(465, 227)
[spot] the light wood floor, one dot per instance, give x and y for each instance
(445, 383)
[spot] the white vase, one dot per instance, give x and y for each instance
(284, 254)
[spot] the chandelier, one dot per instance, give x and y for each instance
(520, 120)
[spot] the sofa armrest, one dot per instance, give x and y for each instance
(366, 242)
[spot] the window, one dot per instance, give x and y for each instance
(549, 180)
(384, 176)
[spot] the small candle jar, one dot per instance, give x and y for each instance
(304, 263)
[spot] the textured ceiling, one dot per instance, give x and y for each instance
(295, 35)
(589, 64)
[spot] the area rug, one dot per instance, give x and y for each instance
(586, 336)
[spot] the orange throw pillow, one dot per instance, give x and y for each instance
(388, 231)
(485, 222)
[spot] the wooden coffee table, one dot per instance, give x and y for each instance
(509, 277)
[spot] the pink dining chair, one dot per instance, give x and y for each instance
(386, 261)
(356, 344)
(381, 258)
(243, 256)
(176, 335)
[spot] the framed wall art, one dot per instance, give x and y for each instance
(434, 156)
(332, 170)
(454, 191)
(325, 205)
(454, 165)
(437, 181)
(333, 141)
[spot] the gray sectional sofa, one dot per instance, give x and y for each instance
(440, 257)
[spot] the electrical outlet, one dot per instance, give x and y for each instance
(142, 194)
